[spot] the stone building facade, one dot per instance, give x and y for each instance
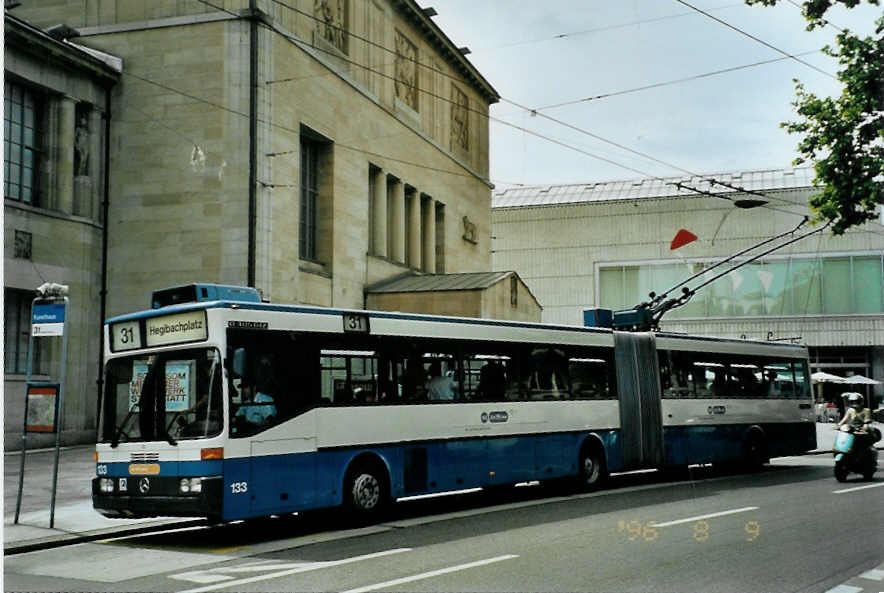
(55, 133)
(307, 148)
(609, 244)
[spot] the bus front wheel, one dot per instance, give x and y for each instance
(592, 470)
(365, 492)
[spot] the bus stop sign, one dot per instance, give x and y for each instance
(47, 320)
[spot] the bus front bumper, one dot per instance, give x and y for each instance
(158, 497)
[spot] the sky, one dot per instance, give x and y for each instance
(543, 53)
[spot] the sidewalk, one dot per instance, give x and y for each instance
(75, 519)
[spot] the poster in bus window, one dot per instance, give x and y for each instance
(139, 372)
(179, 385)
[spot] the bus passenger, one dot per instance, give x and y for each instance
(769, 386)
(414, 379)
(439, 386)
(492, 381)
(259, 407)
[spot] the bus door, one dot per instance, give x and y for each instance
(283, 470)
(638, 385)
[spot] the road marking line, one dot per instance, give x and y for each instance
(214, 575)
(845, 589)
(701, 517)
(300, 569)
(879, 484)
(874, 575)
(200, 576)
(433, 573)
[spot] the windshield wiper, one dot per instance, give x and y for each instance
(115, 442)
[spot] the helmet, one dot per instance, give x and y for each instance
(854, 399)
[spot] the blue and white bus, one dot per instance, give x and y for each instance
(219, 405)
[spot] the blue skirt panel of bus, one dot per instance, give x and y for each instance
(166, 468)
(275, 484)
(715, 444)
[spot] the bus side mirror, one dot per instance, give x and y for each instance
(239, 363)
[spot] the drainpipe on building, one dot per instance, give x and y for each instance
(253, 137)
(105, 203)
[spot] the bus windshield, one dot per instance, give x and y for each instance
(165, 396)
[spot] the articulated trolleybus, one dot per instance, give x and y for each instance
(219, 405)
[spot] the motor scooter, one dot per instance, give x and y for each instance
(854, 451)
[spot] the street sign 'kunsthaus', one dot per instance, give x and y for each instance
(47, 320)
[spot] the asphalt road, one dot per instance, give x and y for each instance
(791, 527)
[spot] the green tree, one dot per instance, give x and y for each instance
(844, 136)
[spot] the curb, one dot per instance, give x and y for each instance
(67, 539)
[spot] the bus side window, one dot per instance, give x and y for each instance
(492, 381)
(663, 358)
(743, 380)
(682, 384)
(443, 377)
(801, 384)
(549, 376)
(709, 378)
(414, 378)
(589, 377)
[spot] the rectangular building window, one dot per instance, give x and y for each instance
(440, 238)
(21, 143)
(374, 192)
(16, 331)
(309, 199)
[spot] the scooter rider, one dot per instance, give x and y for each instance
(857, 417)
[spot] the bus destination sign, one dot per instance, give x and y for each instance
(174, 329)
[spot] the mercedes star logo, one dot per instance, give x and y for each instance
(144, 485)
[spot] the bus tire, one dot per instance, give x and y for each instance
(591, 470)
(754, 452)
(366, 490)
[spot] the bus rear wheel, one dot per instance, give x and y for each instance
(366, 493)
(592, 471)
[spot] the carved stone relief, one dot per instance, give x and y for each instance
(331, 22)
(406, 71)
(460, 119)
(469, 230)
(81, 147)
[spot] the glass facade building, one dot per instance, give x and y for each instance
(826, 285)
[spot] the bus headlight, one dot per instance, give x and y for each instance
(106, 485)
(190, 485)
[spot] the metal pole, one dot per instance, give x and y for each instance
(24, 427)
(60, 408)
